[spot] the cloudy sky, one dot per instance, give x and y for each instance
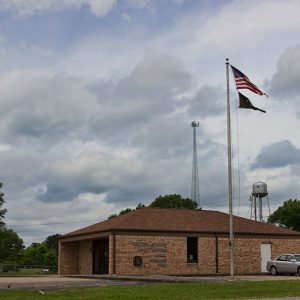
(97, 98)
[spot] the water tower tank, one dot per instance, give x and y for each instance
(259, 189)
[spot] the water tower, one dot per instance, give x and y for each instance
(259, 191)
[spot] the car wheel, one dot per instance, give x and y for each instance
(273, 270)
(298, 271)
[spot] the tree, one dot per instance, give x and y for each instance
(42, 254)
(2, 211)
(167, 201)
(31, 255)
(140, 205)
(50, 258)
(174, 201)
(126, 210)
(287, 215)
(38, 254)
(112, 216)
(52, 241)
(11, 246)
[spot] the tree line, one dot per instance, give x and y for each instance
(13, 250)
(167, 201)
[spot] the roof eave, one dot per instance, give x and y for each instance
(182, 231)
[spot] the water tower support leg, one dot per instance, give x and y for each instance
(255, 210)
(260, 209)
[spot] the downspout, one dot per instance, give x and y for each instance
(217, 252)
(114, 253)
(58, 258)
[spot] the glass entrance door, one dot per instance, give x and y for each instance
(100, 256)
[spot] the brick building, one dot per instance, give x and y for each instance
(173, 242)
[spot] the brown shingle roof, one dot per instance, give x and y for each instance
(182, 220)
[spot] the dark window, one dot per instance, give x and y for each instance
(281, 258)
(289, 257)
(192, 249)
(137, 261)
(297, 257)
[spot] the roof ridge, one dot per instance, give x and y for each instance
(181, 209)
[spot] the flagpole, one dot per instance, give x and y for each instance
(231, 239)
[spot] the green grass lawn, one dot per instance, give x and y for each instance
(229, 290)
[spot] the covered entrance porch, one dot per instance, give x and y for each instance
(86, 256)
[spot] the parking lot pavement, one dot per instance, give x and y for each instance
(47, 283)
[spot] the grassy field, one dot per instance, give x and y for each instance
(230, 290)
(22, 272)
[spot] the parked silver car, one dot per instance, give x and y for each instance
(285, 263)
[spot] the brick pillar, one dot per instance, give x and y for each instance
(68, 262)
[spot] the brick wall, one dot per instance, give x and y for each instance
(247, 255)
(207, 254)
(280, 246)
(111, 254)
(163, 255)
(85, 257)
(68, 258)
(167, 254)
(247, 252)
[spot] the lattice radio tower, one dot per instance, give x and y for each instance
(195, 195)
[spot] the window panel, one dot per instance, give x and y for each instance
(192, 249)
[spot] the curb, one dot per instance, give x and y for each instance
(163, 279)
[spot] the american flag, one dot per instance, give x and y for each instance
(243, 82)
